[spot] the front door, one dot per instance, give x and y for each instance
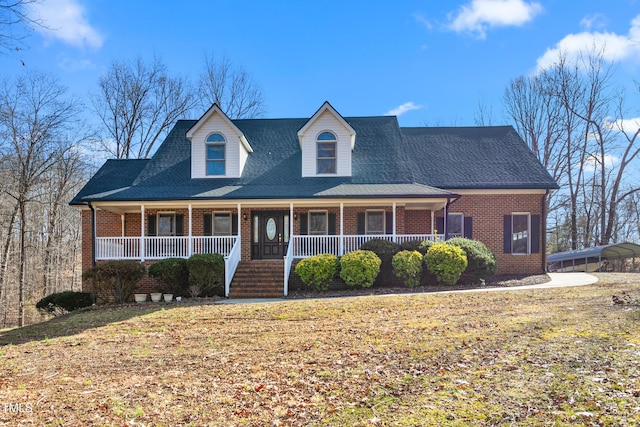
(270, 234)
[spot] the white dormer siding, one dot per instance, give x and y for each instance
(236, 150)
(326, 121)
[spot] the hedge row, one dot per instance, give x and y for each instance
(200, 275)
(411, 264)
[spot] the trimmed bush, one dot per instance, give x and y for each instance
(481, 261)
(64, 302)
(359, 268)
(318, 271)
(424, 246)
(206, 274)
(407, 266)
(173, 275)
(446, 262)
(385, 250)
(119, 278)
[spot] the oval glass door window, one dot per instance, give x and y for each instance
(271, 228)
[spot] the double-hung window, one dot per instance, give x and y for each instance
(326, 153)
(216, 151)
(166, 224)
(455, 225)
(374, 222)
(318, 223)
(222, 224)
(520, 233)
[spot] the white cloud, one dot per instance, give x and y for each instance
(401, 109)
(480, 15)
(65, 20)
(615, 47)
(592, 162)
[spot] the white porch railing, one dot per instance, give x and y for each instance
(231, 262)
(288, 260)
(306, 246)
(162, 247)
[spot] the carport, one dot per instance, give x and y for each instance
(594, 259)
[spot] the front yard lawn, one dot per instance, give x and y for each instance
(538, 357)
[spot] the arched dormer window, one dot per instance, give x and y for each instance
(326, 153)
(216, 144)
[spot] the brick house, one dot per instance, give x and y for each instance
(265, 192)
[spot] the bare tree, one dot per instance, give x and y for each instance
(14, 21)
(572, 117)
(231, 87)
(137, 104)
(36, 118)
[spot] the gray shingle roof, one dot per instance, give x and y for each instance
(475, 158)
(387, 161)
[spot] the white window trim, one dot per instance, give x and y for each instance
(528, 252)
(384, 221)
(326, 222)
(461, 215)
(335, 158)
(206, 157)
(168, 213)
(213, 222)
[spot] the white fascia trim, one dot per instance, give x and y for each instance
(327, 107)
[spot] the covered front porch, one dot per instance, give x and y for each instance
(252, 231)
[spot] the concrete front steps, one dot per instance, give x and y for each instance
(258, 279)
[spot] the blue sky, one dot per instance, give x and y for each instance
(429, 62)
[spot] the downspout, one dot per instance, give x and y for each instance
(445, 219)
(93, 234)
(543, 239)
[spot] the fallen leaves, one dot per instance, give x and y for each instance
(488, 359)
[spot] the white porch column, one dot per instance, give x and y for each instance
(341, 245)
(122, 224)
(393, 231)
(190, 248)
(142, 233)
(239, 221)
(290, 222)
(433, 219)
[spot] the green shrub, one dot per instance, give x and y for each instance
(206, 274)
(385, 250)
(318, 271)
(481, 261)
(424, 246)
(64, 302)
(119, 278)
(446, 262)
(407, 266)
(359, 268)
(173, 275)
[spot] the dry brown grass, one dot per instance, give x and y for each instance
(541, 357)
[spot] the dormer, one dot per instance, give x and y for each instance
(326, 141)
(218, 148)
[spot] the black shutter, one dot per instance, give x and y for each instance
(332, 224)
(468, 227)
(440, 225)
(207, 226)
(304, 224)
(234, 224)
(360, 224)
(151, 225)
(179, 225)
(507, 234)
(535, 234)
(389, 223)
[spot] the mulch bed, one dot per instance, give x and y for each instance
(502, 281)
